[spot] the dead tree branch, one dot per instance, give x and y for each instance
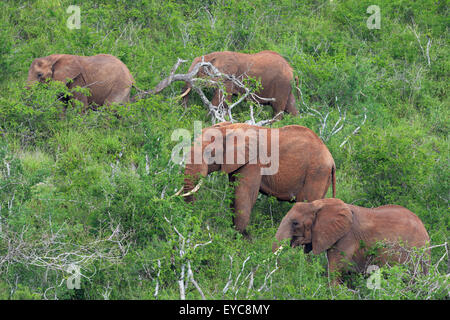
(52, 252)
(235, 285)
(425, 53)
(214, 78)
(324, 133)
(186, 273)
(354, 131)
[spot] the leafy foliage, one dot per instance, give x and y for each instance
(97, 187)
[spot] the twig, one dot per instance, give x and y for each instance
(229, 282)
(426, 54)
(354, 131)
(276, 118)
(428, 51)
(186, 274)
(267, 277)
(157, 279)
(191, 277)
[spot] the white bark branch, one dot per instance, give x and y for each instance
(214, 78)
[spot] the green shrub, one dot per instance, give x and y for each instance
(394, 164)
(101, 183)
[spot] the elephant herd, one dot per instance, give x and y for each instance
(109, 79)
(302, 166)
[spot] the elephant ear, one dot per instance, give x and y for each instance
(332, 222)
(240, 147)
(66, 67)
(226, 64)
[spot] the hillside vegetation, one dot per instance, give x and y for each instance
(96, 190)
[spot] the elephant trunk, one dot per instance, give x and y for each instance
(30, 81)
(192, 173)
(284, 232)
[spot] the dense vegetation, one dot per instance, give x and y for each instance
(96, 189)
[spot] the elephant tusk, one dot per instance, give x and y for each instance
(196, 188)
(185, 93)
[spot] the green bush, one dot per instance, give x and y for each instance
(101, 185)
(394, 164)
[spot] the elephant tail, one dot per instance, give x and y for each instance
(297, 88)
(333, 179)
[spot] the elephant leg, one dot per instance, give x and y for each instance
(290, 105)
(335, 266)
(278, 106)
(120, 96)
(281, 92)
(316, 186)
(246, 192)
(218, 96)
(339, 260)
(79, 82)
(80, 97)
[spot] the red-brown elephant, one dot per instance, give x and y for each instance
(269, 67)
(300, 168)
(346, 231)
(107, 78)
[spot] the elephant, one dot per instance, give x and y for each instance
(300, 168)
(271, 68)
(108, 78)
(348, 232)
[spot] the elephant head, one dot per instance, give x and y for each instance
(220, 60)
(58, 67)
(317, 225)
(209, 153)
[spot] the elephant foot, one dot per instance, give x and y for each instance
(247, 235)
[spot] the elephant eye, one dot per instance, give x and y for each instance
(294, 223)
(39, 74)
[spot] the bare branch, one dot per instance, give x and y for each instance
(191, 277)
(53, 253)
(157, 279)
(186, 273)
(229, 282)
(428, 51)
(354, 131)
(323, 120)
(426, 54)
(276, 118)
(214, 78)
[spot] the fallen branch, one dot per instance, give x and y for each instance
(214, 78)
(276, 118)
(51, 252)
